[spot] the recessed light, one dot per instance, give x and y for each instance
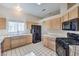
(18, 8)
(39, 3)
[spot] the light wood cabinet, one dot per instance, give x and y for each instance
(62, 20)
(66, 17)
(6, 45)
(74, 13)
(21, 40)
(52, 24)
(29, 39)
(45, 41)
(47, 24)
(49, 43)
(16, 41)
(56, 23)
(2, 23)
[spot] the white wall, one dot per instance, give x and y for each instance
(63, 7)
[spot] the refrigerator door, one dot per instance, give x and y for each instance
(36, 33)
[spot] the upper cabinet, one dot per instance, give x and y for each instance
(65, 17)
(62, 20)
(2, 23)
(52, 23)
(56, 23)
(74, 13)
(47, 24)
(29, 23)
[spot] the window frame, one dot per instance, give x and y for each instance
(17, 32)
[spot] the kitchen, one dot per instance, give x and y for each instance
(52, 27)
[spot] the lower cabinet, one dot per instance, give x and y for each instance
(6, 45)
(45, 41)
(16, 41)
(29, 39)
(49, 43)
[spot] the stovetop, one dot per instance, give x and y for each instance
(68, 41)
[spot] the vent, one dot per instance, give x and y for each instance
(43, 9)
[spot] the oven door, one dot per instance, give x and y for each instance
(60, 50)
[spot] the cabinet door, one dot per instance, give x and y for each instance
(62, 20)
(2, 23)
(6, 44)
(53, 23)
(51, 44)
(29, 39)
(15, 42)
(45, 41)
(73, 13)
(66, 17)
(56, 23)
(47, 24)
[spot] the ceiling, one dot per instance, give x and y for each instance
(42, 10)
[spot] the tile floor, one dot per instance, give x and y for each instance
(38, 49)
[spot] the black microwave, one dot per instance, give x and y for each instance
(70, 25)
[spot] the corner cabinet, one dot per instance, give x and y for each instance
(2, 23)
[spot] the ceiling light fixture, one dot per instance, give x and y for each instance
(18, 8)
(39, 3)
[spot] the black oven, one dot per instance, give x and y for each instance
(62, 44)
(62, 49)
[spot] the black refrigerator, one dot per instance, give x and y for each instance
(36, 33)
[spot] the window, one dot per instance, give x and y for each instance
(16, 27)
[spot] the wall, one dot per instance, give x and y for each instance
(63, 7)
